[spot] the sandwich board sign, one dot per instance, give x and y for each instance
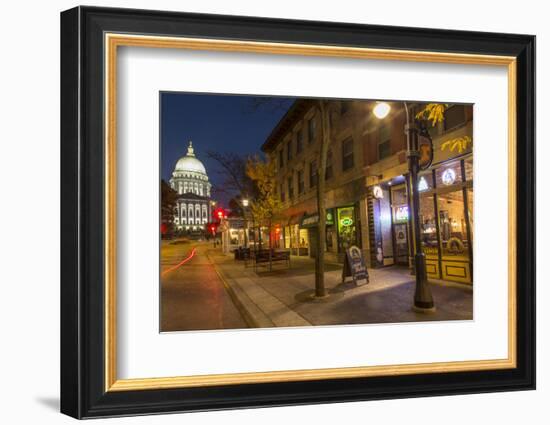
(354, 266)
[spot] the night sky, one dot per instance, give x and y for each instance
(223, 123)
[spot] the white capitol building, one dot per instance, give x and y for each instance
(190, 181)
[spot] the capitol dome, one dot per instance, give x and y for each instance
(190, 163)
(190, 181)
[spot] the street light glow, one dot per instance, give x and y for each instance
(245, 202)
(381, 110)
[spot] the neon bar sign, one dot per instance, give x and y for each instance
(402, 213)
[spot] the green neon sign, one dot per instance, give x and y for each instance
(346, 221)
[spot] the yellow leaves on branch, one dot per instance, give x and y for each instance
(460, 144)
(434, 112)
(267, 204)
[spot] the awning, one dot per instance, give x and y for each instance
(311, 220)
(295, 219)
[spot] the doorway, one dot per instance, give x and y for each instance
(401, 243)
(400, 221)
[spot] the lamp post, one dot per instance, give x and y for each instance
(423, 300)
(245, 206)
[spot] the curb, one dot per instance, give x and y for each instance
(248, 317)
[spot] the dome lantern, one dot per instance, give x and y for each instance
(190, 150)
(189, 163)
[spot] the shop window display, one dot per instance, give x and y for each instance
(452, 225)
(448, 174)
(428, 225)
(346, 228)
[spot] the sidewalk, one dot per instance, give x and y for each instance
(283, 297)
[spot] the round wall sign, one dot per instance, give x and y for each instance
(448, 177)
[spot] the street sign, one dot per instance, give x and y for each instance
(354, 266)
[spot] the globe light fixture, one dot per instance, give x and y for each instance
(423, 300)
(381, 110)
(245, 202)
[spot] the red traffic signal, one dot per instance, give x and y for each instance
(219, 213)
(212, 227)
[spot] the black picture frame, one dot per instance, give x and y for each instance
(82, 219)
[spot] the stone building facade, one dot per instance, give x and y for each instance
(367, 193)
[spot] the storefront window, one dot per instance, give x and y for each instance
(452, 225)
(469, 168)
(428, 226)
(329, 236)
(470, 194)
(347, 235)
(399, 230)
(448, 174)
(304, 239)
(400, 205)
(425, 182)
(287, 237)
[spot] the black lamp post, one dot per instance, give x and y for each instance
(423, 300)
(245, 207)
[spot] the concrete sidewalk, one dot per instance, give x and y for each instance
(283, 297)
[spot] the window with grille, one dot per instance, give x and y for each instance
(300, 182)
(313, 174)
(299, 142)
(290, 188)
(289, 150)
(384, 142)
(311, 129)
(347, 154)
(455, 116)
(328, 167)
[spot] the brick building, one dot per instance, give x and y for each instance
(366, 188)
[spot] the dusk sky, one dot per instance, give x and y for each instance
(222, 123)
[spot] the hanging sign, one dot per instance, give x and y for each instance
(354, 266)
(425, 149)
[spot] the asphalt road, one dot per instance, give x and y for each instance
(193, 296)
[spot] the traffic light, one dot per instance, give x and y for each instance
(219, 213)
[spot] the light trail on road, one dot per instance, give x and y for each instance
(181, 263)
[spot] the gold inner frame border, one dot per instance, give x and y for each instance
(113, 40)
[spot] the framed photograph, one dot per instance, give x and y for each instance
(261, 212)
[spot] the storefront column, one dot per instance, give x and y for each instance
(364, 218)
(412, 240)
(467, 217)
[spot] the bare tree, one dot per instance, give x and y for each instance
(269, 104)
(233, 168)
(325, 110)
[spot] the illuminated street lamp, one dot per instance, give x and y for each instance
(381, 110)
(423, 300)
(245, 205)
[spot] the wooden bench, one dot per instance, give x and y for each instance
(269, 256)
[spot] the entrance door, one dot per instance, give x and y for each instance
(401, 244)
(400, 210)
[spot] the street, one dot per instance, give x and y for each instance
(202, 289)
(193, 296)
